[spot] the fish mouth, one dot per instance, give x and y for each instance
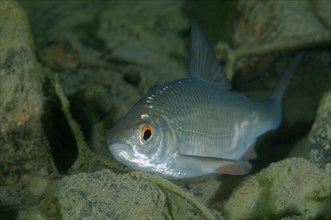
(126, 155)
(121, 152)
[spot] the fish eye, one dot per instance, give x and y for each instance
(146, 133)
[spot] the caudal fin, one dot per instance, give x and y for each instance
(278, 93)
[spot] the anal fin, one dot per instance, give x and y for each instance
(235, 167)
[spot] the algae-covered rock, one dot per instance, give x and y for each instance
(106, 195)
(100, 195)
(320, 134)
(290, 19)
(148, 42)
(292, 187)
(322, 9)
(103, 195)
(23, 145)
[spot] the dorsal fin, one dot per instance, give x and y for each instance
(203, 63)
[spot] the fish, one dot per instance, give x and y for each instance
(196, 125)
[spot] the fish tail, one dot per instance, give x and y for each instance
(278, 93)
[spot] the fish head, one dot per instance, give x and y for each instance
(142, 139)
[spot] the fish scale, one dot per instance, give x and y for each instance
(205, 117)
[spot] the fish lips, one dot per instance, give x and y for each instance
(121, 152)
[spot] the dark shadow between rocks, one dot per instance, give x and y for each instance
(8, 212)
(276, 145)
(57, 130)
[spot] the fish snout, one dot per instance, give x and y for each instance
(121, 152)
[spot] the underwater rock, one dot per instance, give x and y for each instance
(322, 9)
(152, 42)
(101, 195)
(320, 135)
(22, 142)
(267, 21)
(292, 187)
(203, 189)
(104, 194)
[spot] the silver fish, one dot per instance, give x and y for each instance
(196, 125)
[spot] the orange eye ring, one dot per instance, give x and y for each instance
(146, 132)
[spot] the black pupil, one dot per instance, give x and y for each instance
(147, 134)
